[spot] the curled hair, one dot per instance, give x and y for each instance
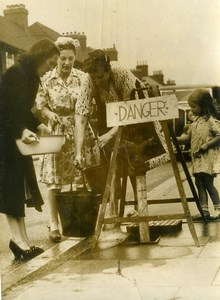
(97, 60)
(39, 53)
(203, 98)
(66, 43)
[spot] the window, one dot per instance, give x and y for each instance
(10, 59)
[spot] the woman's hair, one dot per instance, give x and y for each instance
(203, 98)
(97, 60)
(39, 53)
(66, 43)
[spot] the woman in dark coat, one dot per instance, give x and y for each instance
(18, 184)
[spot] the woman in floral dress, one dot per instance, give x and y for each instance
(56, 104)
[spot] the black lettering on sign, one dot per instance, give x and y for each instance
(122, 113)
(142, 110)
(161, 105)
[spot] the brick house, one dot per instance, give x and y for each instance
(16, 36)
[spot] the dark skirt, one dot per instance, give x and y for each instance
(16, 171)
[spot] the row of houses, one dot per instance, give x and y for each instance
(17, 36)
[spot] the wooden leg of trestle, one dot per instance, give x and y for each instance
(134, 186)
(179, 184)
(112, 167)
(123, 193)
(142, 208)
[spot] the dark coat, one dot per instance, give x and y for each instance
(18, 91)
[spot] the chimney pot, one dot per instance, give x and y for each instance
(17, 14)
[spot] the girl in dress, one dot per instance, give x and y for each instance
(204, 135)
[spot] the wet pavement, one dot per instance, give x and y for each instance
(173, 268)
(37, 223)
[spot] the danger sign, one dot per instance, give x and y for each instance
(142, 110)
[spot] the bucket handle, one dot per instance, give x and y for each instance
(84, 188)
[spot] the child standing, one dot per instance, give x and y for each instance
(204, 135)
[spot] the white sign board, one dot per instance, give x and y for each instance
(142, 110)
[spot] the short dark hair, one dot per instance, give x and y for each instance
(39, 52)
(97, 60)
(42, 50)
(203, 98)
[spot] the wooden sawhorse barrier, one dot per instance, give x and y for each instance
(152, 92)
(194, 197)
(143, 218)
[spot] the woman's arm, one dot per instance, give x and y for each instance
(80, 127)
(41, 108)
(105, 138)
(50, 116)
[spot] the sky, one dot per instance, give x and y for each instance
(179, 37)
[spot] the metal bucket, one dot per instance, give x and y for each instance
(78, 212)
(97, 177)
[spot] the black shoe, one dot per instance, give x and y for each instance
(18, 252)
(36, 251)
(24, 254)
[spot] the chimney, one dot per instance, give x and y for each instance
(112, 53)
(17, 14)
(143, 68)
(158, 76)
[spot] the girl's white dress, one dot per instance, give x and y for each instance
(203, 130)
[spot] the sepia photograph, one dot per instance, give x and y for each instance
(109, 149)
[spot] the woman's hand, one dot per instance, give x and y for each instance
(43, 130)
(204, 148)
(28, 136)
(79, 162)
(54, 119)
(104, 139)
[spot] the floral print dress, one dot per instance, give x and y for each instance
(59, 97)
(201, 131)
